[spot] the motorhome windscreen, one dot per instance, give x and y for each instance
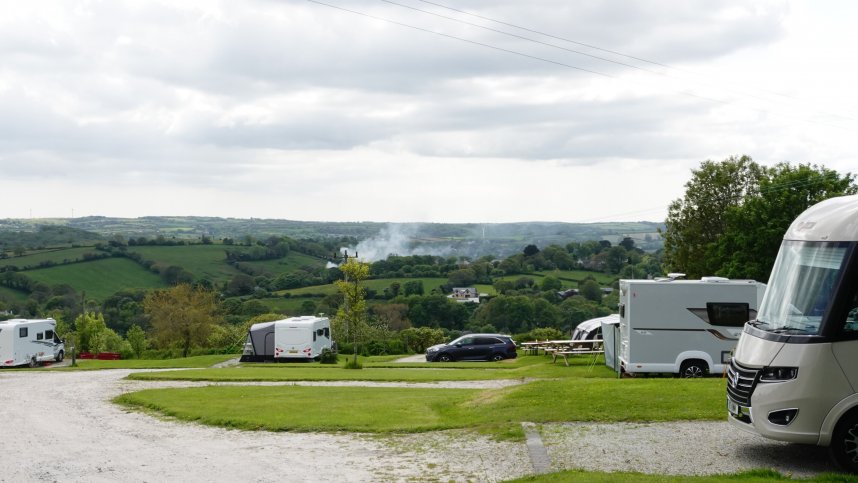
(801, 286)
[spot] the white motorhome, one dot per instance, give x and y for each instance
(685, 327)
(794, 376)
(295, 338)
(29, 342)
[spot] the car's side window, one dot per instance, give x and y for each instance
(488, 341)
(468, 341)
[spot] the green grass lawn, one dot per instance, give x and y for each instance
(554, 393)
(382, 409)
(99, 278)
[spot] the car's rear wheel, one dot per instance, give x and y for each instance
(497, 357)
(445, 357)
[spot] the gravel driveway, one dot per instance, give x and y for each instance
(60, 426)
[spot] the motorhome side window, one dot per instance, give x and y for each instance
(40, 336)
(22, 332)
(49, 335)
(327, 332)
(729, 314)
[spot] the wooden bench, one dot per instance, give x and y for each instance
(565, 354)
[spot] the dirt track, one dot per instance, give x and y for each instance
(60, 426)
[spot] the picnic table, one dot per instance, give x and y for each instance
(532, 348)
(566, 348)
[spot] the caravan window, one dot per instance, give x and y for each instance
(730, 314)
(22, 332)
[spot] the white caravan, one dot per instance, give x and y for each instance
(29, 342)
(295, 338)
(795, 373)
(686, 327)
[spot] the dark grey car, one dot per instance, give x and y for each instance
(474, 347)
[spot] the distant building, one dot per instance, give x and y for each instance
(465, 294)
(565, 294)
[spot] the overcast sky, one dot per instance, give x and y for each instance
(552, 110)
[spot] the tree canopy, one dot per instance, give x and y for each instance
(183, 314)
(735, 212)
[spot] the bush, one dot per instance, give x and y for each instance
(544, 333)
(353, 364)
(328, 356)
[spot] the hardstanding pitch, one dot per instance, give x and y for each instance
(61, 426)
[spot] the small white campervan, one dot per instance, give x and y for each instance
(29, 342)
(685, 327)
(295, 338)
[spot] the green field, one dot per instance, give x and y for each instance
(99, 278)
(289, 263)
(11, 294)
(570, 278)
(203, 261)
(63, 255)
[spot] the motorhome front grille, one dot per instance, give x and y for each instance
(741, 382)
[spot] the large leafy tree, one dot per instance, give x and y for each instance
(755, 229)
(183, 314)
(696, 221)
(734, 215)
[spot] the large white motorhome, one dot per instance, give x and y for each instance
(685, 327)
(794, 376)
(295, 338)
(29, 342)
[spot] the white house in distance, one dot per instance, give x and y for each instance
(465, 295)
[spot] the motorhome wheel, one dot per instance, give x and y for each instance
(60, 356)
(844, 443)
(33, 362)
(693, 369)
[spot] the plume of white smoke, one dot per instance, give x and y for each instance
(395, 239)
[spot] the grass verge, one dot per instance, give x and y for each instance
(382, 369)
(184, 362)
